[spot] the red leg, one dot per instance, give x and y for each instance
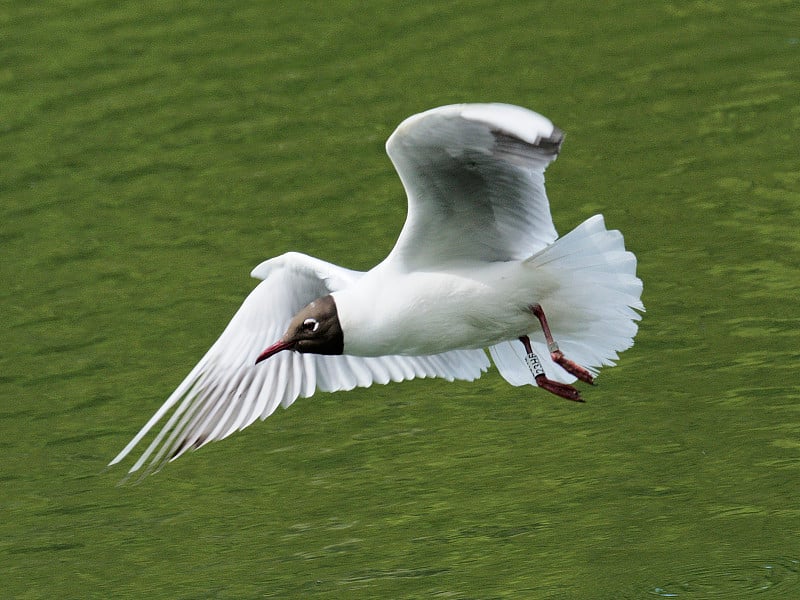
(554, 387)
(556, 354)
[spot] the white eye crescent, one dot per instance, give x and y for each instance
(310, 325)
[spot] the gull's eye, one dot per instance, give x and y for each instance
(310, 325)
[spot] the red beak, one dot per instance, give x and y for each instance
(274, 349)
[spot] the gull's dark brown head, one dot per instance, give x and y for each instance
(315, 329)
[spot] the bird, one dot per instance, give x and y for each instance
(478, 265)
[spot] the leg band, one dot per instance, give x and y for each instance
(534, 364)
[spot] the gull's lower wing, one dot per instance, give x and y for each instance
(226, 391)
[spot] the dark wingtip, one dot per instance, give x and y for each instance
(553, 143)
(512, 145)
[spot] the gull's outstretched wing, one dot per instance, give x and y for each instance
(474, 176)
(227, 391)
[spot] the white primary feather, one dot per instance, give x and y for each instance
(227, 391)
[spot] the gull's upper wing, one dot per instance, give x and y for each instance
(474, 176)
(227, 391)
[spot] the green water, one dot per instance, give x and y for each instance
(152, 153)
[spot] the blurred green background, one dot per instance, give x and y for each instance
(152, 153)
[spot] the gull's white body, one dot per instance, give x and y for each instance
(477, 250)
(412, 313)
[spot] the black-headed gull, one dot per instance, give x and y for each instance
(477, 265)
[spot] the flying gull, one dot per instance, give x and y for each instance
(478, 265)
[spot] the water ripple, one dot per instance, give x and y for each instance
(730, 581)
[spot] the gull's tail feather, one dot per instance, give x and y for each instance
(591, 304)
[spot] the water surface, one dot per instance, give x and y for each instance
(153, 153)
